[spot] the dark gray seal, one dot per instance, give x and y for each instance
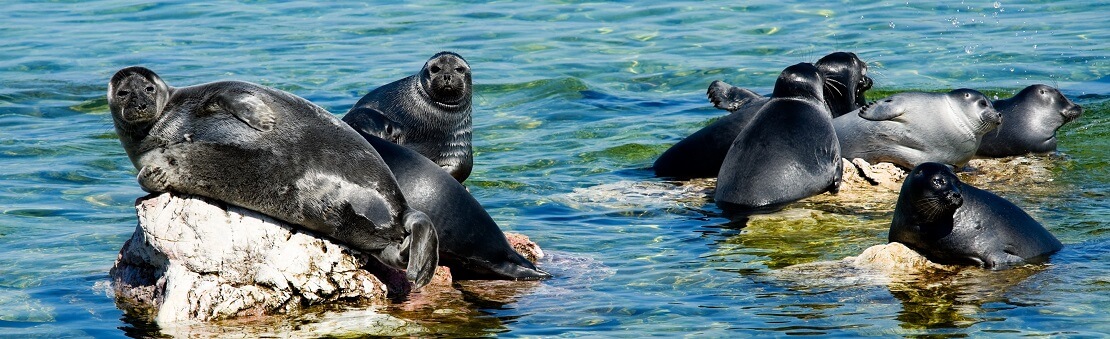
(470, 243)
(788, 151)
(272, 152)
(428, 112)
(700, 155)
(1031, 119)
(954, 223)
(911, 128)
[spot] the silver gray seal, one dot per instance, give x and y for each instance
(1030, 121)
(428, 112)
(272, 152)
(908, 129)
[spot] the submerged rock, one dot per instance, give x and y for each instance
(194, 259)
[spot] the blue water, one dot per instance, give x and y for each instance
(573, 100)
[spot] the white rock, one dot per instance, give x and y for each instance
(193, 259)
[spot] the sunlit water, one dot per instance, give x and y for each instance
(573, 101)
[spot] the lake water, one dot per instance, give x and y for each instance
(573, 101)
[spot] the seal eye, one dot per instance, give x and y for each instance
(938, 182)
(123, 93)
(967, 95)
(434, 69)
(1042, 92)
(460, 69)
(982, 103)
(150, 89)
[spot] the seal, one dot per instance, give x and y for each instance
(270, 151)
(954, 223)
(788, 151)
(911, 128)
(700, 155)
(1032, 118)
(470, 243)
(428, 112)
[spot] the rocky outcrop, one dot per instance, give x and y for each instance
(193, 259)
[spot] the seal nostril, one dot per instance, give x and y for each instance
(122, 93)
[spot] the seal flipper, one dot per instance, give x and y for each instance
(423, 248)
(728, 97)
(373, 122)
(248, 108)
(518, 268)
(886, 109)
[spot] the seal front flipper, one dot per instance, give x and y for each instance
(886, 109)
(248, 108)
(373, 122)
(728, 97)
(423, 248)
(517, 268)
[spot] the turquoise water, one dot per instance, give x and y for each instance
(573, 101)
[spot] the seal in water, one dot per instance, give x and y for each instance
(1032, 118)
(700, 155)
(272, 152)
(911, 128)
(786, 153)
(954, 223)
(428, 112)
(470, 243)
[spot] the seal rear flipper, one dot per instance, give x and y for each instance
(514, 267)
(423, 248)
(728, 97)
(372, 121)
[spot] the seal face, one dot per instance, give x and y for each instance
(470, 243)
(701, 154)
(275, 153)
(911, 128)
(1032, 118)
(429, 112)
(954, 223)
(786, 153)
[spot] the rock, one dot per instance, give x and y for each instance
(523, 245)
(894, 258)
(193, 259)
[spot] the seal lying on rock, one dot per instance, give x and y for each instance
(272, 152)
(428, 112)
(911, 128)
(470, 243)
(700, 155)
(1029, 124)
(954, 223)
(787, 153)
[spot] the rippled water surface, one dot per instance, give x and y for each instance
(573, 101)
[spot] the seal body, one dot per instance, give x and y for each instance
(428, 112)
(700, 155)
(908, 129)
(954, 223)
(470, 243)
(786, 153)
(1031, 119)
(272, 152)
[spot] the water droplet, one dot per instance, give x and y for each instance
(891, 24)
(997, 4)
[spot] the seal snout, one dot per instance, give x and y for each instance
(954, 198)
(1072, 112)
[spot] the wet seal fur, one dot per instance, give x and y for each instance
(954, 223)
(272, 152)
(429, 112)
(470, 243)
(1030, 121)
(700, 155)
(787, 153)
(911, 128)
